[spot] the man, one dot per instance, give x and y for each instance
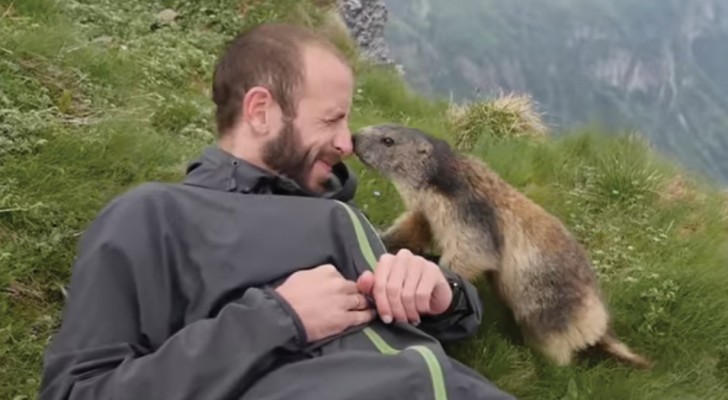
(255, 278)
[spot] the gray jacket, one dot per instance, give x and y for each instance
(171, 298)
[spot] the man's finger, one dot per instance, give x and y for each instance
(441, 294)
(425, 288)
(394, 284)
(414, 273)
(357, 302)
(365, 283)
(380, 287)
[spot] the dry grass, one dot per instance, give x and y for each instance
(507, 116)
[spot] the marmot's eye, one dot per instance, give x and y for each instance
(387, 141)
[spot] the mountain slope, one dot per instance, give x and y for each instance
(650, 65)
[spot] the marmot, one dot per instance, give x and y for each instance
(483, 226)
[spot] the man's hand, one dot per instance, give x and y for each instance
(325, 302)
(406, 286)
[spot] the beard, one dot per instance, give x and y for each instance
(287, 155)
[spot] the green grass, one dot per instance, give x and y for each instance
(94, 102)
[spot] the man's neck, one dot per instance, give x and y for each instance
(244, 151)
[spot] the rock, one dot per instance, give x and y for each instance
(166, 16)
(365, 20)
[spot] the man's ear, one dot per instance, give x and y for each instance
(257, 105)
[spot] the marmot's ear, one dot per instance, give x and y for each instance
(423, 148)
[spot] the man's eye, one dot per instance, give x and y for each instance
(387, 141)
(338, 118)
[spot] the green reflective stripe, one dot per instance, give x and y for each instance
(379, 343)
(361, 236)
(369, 224)
(438, 386)
(438, 383)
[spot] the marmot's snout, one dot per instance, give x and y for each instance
(403, 154)
(382, 148)
(360, 142)
(366, 144)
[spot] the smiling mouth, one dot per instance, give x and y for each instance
(328, 161)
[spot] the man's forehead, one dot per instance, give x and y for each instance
(327, 78)
(321, 66)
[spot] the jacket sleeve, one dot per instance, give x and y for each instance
(464, 316)
(103, 351)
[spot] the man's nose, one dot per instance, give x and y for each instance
(345, 143)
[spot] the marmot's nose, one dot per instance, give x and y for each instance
(353, 139)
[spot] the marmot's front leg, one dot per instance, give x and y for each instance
(410, 231)
(469, 259)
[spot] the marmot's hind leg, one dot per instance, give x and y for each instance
(555, 348)
(566, 324)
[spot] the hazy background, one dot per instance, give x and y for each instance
(657, 66)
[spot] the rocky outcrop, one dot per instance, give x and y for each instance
(365, 21)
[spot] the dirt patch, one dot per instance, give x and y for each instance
(688, 229)
(675, 189)
(63, 88)
(679, 188)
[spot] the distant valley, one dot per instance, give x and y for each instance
(657, 66)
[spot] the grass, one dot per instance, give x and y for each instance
(504, 116)
(93, 101)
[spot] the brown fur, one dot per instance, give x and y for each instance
(481, 224)
(413, 233)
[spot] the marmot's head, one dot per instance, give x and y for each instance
(406, 155)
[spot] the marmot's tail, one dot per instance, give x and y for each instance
(621, 351)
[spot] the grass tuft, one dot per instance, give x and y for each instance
(506, 116)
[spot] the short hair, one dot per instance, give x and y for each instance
(267, 55)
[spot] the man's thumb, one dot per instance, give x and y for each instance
(365, 283)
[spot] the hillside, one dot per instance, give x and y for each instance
(98, 96)
(650, 65)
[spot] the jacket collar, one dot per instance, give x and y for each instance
(219, 170)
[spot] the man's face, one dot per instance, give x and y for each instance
(306, 148)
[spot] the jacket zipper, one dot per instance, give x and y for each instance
(433, 365)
